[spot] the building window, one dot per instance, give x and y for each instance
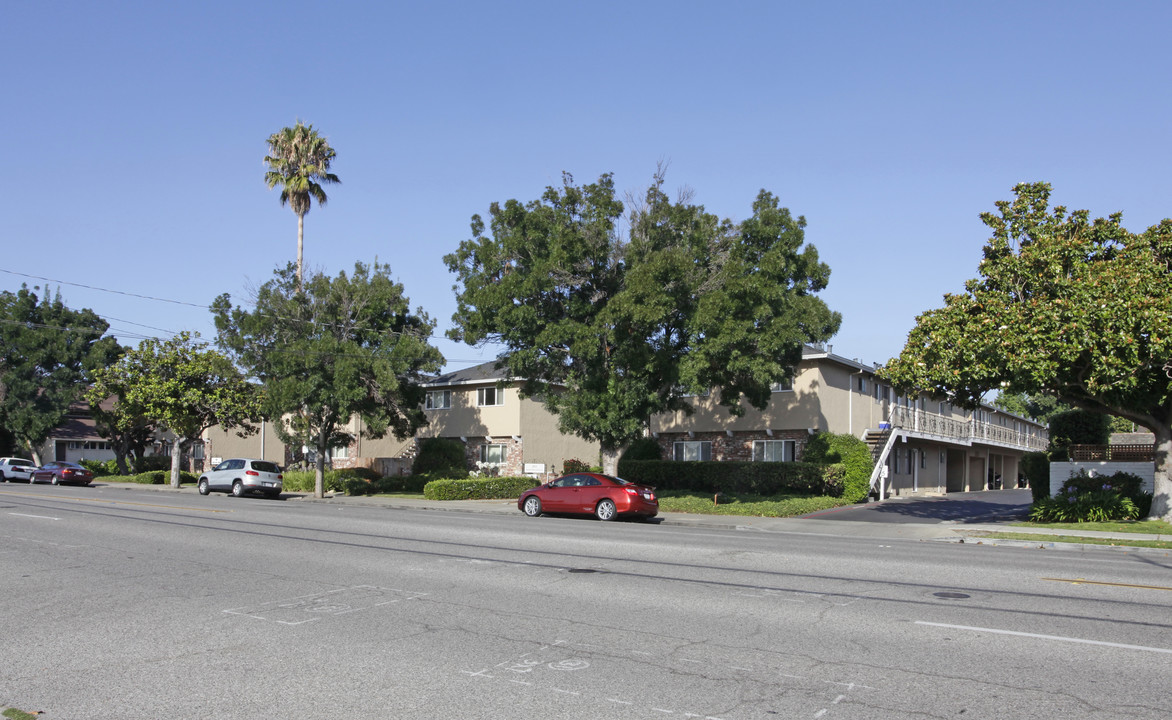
(773, 450)
(783, 386)
(489, 396)
(340, 453)
(861, 386)
(695, 450)
(438, 400)
(493, 454)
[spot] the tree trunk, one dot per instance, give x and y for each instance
(319, 466)
(300, 246)
(32, 451)
(176, 454)
(1162, 497)
(610, 460)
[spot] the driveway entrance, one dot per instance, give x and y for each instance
(991, 506)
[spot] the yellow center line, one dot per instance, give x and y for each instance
(120, 502)
(1081, 581)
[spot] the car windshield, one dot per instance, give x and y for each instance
(265, 466)
(20, 463)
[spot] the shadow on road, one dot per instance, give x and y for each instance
(979, 507)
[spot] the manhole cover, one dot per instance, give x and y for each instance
(582, 570)
(952, 595)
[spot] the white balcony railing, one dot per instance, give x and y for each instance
(965, 431)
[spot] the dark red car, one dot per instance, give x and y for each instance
(62, 473)
(603, 496)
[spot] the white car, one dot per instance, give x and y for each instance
(241, 476)
(16, 469)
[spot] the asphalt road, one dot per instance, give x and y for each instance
(138, 604)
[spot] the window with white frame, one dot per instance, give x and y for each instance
(488, 396)
(773, 450)
(783, 386)
(861, 384)
(493, 454)
(693, 450)
(438, 400)
(340, 453)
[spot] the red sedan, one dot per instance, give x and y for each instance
(60, 473)
(603, 496)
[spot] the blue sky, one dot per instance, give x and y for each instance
(135, 134)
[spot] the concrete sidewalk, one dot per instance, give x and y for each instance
(943, 531)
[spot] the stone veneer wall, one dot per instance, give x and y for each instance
(739, 447)
(513, 454)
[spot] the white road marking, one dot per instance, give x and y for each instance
(1059, 638)
(39, 517)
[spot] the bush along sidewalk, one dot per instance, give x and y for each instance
(1094, 498)
(491, 488)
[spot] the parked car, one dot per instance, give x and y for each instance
(62, 473)
(603, 496)
(241, 476)
(16, 469)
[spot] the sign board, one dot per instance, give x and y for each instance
(534, 468)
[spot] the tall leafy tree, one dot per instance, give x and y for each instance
(186, 387)
(118, 417)
(339, 347)
(299, 163)
(608, 331)
(47, 352)
(1064, 304)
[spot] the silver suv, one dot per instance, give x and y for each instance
(241, 476)
(16, 469)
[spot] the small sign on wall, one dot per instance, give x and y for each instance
(534, 468)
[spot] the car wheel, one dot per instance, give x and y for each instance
(203, 486)
(605, 510)
(56, 480)
(532, 506)
(237, 488)
(2, 478)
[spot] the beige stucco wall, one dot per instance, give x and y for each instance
(227, 444)
(465, 419)
(543, 443)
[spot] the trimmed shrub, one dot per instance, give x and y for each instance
(440, 455)
(855, 456)
(759, 478)
(477, 488)
(151, 462)
(642, 449)
(1036, 468)
(100, 468)
(395, 483)
(160, 477)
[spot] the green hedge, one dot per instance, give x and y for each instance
(395, 483)
(759, 478)
(477, 488)
(1036, 468)
(852, 453)
(154, 477)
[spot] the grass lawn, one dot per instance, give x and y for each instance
(1148, 527)
(751, 505)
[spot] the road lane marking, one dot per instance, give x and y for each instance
(41, 496)
(1081, 581)
(39, 517)
(1059, 638)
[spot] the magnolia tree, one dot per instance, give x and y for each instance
(609, 330)
(1064, 304)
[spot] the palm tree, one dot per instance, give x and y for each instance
(299, 162)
